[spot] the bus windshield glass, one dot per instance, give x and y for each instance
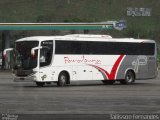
(23, 57)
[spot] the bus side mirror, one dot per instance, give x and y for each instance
(5, 52)
(33, 50)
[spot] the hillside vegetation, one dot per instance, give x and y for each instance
(85, 11)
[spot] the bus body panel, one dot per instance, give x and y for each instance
(88, 67)
(143, 67)
(97, 67)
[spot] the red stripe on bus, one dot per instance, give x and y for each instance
(112, 74)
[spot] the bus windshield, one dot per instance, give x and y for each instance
(23, 57)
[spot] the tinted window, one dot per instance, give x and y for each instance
(23, 57)
(102, 48)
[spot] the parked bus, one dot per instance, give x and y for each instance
(62, 59)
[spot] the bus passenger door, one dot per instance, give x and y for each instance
(45, 59)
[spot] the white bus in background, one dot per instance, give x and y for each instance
(62, 59)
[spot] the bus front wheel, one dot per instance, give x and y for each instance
(62, 79)
(129, 78)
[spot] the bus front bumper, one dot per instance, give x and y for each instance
(24, 79)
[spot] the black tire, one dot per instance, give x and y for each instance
(40, 84)
(62, 79)
(108, 82)
(129, 78)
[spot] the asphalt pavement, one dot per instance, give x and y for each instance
(82, 98)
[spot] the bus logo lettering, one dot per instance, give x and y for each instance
(82, 59)
(141, 60)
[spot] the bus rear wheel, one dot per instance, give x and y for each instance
(108, 82)
(62, 79)
(129, 78)
(40, 84)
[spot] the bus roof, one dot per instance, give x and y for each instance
(85, 37)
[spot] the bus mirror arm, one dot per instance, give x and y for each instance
(33, 50)
(5, 51)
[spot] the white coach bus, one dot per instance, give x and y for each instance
(62, 59)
